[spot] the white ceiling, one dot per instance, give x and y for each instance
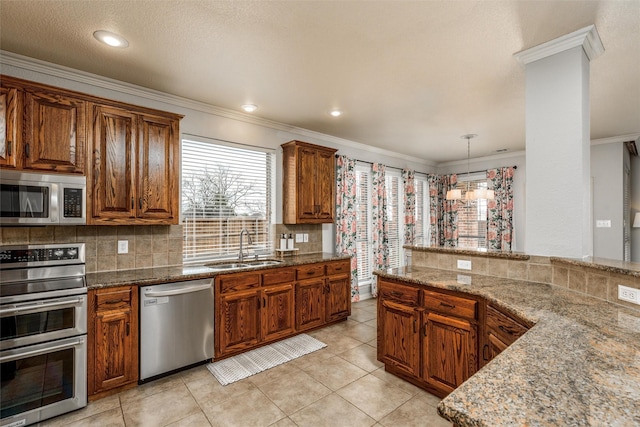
(411, 76)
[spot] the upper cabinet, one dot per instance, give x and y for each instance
(43, 129)
(134, 158)
(54, 132)
(308, 183)
(10, 132)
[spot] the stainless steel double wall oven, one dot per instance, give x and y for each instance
(43, 346)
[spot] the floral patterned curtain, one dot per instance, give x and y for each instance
(346, 217)
(378, 222)
(500, 210)
(449, 227)
(443, 214)
(409, 179)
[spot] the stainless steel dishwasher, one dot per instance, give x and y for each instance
(176, 326)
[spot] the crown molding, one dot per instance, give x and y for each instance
(635, 137)
(499, 156)
(586, 37)
(78, 76)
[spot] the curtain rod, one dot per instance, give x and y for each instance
(393, 167)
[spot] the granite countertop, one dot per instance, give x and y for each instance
(603, 264)
(157, 275)
(472, 252)
(579, 365)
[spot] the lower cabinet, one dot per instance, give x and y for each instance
(502, 330)
(429, 338)
(113, 338)
(257, 307)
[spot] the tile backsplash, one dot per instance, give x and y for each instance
(314, 244)
(149, 246)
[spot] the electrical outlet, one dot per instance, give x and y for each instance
(463, 279)
(123, 246)
(629, 294)
(464, 265)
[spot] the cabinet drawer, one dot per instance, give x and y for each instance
(238, 282)
(504, 325)
(449, 304)
(276, 276)
(110, 299)
(338, 267)
(399, 293)
(309, 271)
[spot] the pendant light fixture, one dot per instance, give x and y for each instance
(469, 194)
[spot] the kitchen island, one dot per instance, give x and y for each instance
(579, 364)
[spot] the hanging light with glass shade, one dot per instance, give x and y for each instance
(469, 194)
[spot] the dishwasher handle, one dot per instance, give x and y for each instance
(178, 291)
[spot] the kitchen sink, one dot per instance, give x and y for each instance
(241, 265)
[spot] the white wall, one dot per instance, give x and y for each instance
(499, 160)
(607, 172)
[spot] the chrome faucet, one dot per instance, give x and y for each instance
(241, 253)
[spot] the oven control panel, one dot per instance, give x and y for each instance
(42, 254)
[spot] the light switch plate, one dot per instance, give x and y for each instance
(603, 223)
(299, 237)
(306, 237)
(464, 264)
(123, 246)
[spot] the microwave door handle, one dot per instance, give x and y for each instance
(53, 209)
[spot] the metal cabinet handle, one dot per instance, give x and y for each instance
(40, 307)
(424, 330)
(38, 352)
(414, 326)
(444, 304)
(503, 329)
(9, 148)
(140, 202)
(485, 352)
(132, 203)
(128, 329)
(27, 150)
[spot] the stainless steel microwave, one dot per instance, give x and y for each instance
(42, 199)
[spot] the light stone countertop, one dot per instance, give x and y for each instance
(157, 275)
(579, 365)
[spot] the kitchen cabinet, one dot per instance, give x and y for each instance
(256, 307)
(10, 137)
(308, 183)
(501, 331)
(134, 158)
(398, 322)
(44, 128)
(427, 336)
(112, 339)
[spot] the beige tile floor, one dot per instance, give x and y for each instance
(340, 385)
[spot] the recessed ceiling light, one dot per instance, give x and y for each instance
(249, 108)
(111, 39)
(335, 113)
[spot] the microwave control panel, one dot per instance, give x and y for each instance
(72, 203)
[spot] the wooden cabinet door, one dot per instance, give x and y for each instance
(325, 181)
(398, 337)
(239, 320)
(113, 349)
(307, 207)
(495, 345)
(112, 359)
(9, 127)
(157, 176)
(112, 193)
(310, 303)
(449, 351)
(278, 318)
(55, 134)
(338, 298)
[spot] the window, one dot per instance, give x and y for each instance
(225, 188)
(395, 216)
(472, 216)
(363, 223)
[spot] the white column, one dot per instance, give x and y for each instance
(558, 194)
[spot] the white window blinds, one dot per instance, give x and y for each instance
(225, 188)
(422, 229)
(363, 223)
(394, 217)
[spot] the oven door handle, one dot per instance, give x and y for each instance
(45, 350)
(178, 291)
(39, 307)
